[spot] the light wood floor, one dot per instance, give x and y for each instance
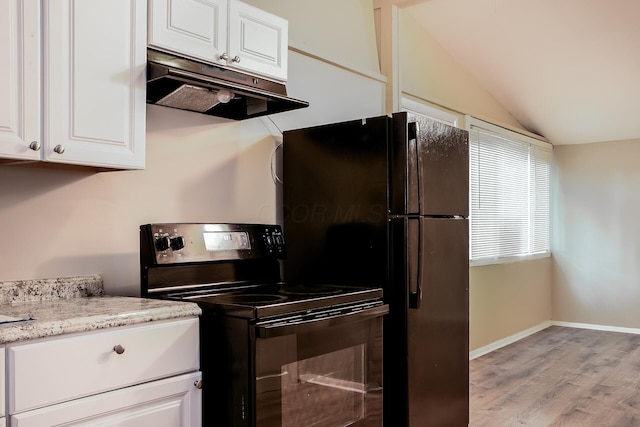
(559, 377)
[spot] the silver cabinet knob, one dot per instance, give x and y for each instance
(58, 149)
(118, 349)
(198, 384)
(225, 57)
(35, 146)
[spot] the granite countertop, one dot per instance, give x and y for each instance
(75, 304)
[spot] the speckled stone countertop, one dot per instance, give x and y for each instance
(76, 304)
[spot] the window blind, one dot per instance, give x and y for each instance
(510, 181)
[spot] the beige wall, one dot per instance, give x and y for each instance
(427, 71)
(596, 234)
(64, 223)
(505, 299)
(338, 31)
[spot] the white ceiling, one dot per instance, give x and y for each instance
(566, 69)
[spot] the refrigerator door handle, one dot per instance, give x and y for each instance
(413, 169)
(414, 248)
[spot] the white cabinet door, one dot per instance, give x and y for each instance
(19, 79)
(94, 58)
(2, 382)
(258, 40)
(195, 28)
(172, 402)
(224, 32)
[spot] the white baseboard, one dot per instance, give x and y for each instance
(597, 327)
(544, 325)
(508, 340)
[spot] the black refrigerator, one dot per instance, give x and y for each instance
(383, 202)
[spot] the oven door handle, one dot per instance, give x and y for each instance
(273, 329)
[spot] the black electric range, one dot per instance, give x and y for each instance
(252, 321)
(233, 268)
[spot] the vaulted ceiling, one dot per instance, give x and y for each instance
(566, 69)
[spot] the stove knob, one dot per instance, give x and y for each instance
(162, 243)
(177, 243)
(280, 246)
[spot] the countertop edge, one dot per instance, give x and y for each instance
(16, 332)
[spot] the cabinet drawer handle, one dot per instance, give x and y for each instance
(224, 57)
(118, 349)
(235, 59)
(58, 149)
(198, 384)
(35, 146)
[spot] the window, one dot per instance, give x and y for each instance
(434, 113)
(510, 186)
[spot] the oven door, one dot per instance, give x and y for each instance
(325, 372)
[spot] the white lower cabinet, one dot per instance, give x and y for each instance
(173, 402)
(143, 375)
(2, 388)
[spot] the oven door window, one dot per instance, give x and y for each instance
(322, 378)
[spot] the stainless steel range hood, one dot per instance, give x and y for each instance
(178, 82)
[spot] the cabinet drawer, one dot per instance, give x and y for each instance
(172, 402)
(51, 371)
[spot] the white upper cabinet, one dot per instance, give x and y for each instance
(258, 40)
(92, 68)
(19, 79)
(195, 28)
(228, 33)
(94, 82)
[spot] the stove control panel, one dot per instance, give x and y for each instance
(175, 243)
(274, 242)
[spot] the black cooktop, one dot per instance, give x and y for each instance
(258, 301)
(233, 269)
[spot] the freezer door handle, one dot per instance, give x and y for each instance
(414, 250)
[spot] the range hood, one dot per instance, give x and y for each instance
(178, 82)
